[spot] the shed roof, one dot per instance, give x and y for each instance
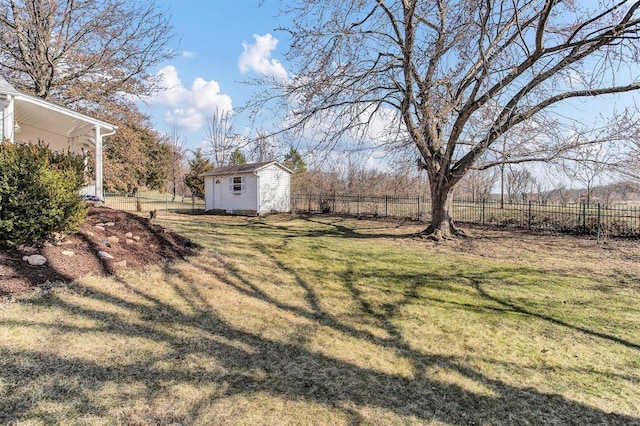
(244, 168)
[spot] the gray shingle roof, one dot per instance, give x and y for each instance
(242, 168)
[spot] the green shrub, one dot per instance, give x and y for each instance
(38, 192)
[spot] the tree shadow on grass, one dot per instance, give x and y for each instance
(247, 363)
(513, 307)
(336, 226)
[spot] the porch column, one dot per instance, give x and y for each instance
(98, 140)
(8, 118)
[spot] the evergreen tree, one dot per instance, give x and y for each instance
(157, 167)
(197, 165)
(294, 162)
(301, 181)
(237, 157)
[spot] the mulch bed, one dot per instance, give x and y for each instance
(154, 245)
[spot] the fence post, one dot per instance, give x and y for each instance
(598, 226)
(386, 206)
(530, 218)
(138, 203)
(584, 218)
(482, 212)
(418, 208)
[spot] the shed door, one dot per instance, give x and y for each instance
(217, 194)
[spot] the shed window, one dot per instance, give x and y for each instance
(237, 184)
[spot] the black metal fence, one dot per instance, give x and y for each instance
(143, 203)
(593, 219)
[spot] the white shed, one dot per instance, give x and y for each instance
(248, 189)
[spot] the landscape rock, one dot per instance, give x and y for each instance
(129, 241)
(109, 224)
(136, 238)
(100, 227)
(113, 239)
(35, 259)
(129, 235)
(68, 253)
(27, 249)
(104, 255)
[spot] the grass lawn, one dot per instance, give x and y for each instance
(329, 321)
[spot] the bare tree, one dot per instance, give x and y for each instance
(629, 164)
(449, 78)
(176, 142)
(477, 184)
(542, 191)
(262, 148)
(519, 183)
(587, 167)
(82, 51)
(221, 139)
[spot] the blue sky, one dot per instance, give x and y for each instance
(221, 43)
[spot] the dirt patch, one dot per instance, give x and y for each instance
(129, 239)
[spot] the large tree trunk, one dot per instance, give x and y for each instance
(442, 226)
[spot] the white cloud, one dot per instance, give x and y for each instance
(174, 92)
(378, 160)
(189, 106)
(257, 57)
(188, 54)
(206, 96)
(189, 118)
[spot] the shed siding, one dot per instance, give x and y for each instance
(247, 200)
(274, 190)
(265, 189)
(208, 193)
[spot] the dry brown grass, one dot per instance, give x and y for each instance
(319, 320)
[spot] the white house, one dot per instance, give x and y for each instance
(257, 188)
(29, 119)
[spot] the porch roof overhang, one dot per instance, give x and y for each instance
(49, 117)
(52, 123)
